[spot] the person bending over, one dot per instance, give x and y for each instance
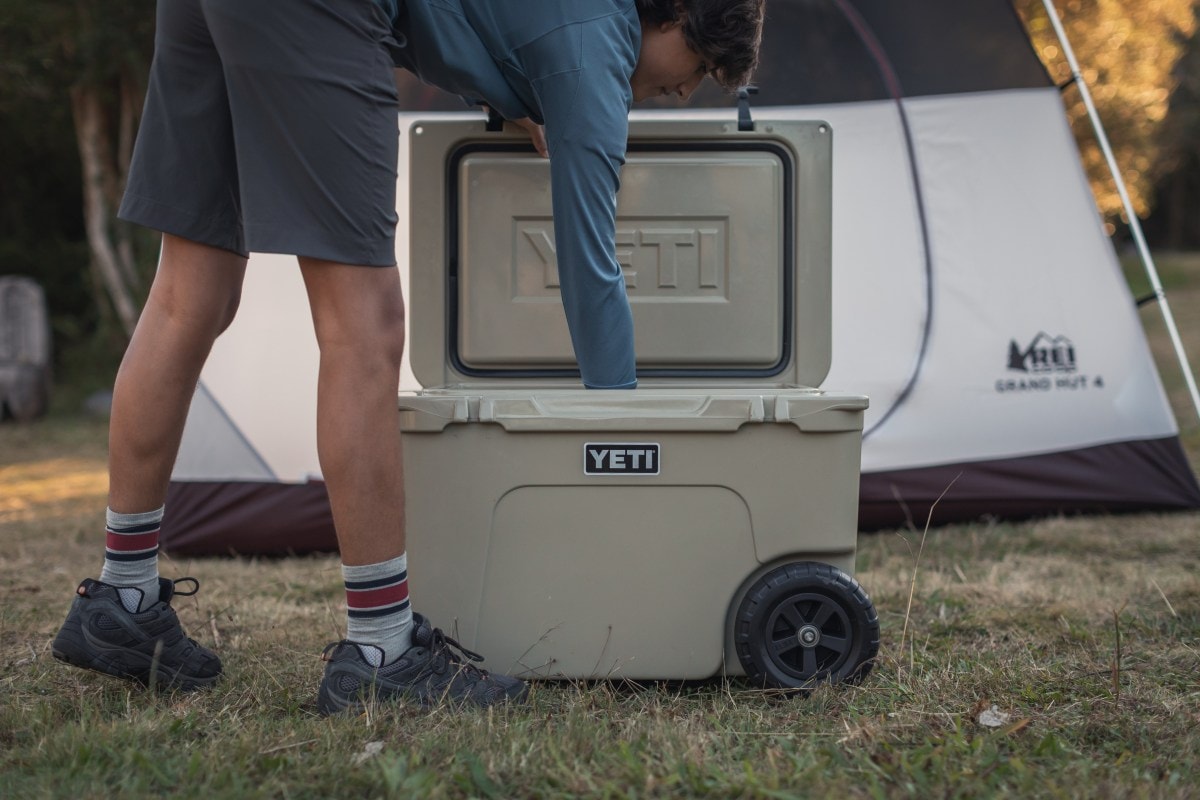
(272, 127)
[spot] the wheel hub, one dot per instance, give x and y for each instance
(808, 636)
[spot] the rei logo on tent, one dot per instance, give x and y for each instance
(621, 458)
(1046, 365)
(1045, 354)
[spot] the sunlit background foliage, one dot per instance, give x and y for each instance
(1128, 51)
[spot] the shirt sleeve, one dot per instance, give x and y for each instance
(586, 111)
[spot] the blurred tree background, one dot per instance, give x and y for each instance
(72, 78)
(1133, 55)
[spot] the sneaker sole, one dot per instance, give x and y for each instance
(71, 646)
(331, 704)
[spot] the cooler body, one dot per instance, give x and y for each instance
(568, 535)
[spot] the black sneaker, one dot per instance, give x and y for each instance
(432, 671)
(149, 647)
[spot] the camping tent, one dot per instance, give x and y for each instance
(977, 300)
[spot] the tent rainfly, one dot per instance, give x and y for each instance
(976, 298)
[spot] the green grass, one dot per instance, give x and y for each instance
(1177, 271)
(1028, 618)
(1180, 276)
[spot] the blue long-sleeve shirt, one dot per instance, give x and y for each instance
(565, 64)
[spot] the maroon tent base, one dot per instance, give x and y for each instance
(217, 518)
(227, 518)
(1146, 475)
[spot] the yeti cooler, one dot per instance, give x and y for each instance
(703, 524)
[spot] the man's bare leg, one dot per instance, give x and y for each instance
(118, 625)
(193, 298)
(358, 316)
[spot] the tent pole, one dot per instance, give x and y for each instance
(1135, 225)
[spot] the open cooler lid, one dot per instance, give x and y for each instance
(723, 234)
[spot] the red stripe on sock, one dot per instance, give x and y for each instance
(374, 598)
(127, 542)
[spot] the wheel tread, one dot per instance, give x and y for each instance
(772, 590)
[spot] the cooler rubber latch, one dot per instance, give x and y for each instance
(745, 123)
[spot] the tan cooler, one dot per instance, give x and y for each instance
(703, 524)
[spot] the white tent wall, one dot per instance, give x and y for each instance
(214, 447)
(262, 375)
(1017, 251)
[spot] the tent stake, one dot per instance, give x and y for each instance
(1135, 225)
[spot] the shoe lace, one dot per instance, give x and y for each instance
(192, 644)
(175, 590)
(447, 650)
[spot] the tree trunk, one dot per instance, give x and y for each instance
(98, 187)
(125, 132)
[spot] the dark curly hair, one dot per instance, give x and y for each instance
(726, 33)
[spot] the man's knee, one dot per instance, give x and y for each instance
(371, 335)
(229, 312)
(206, 314)
(357, 311)
(198, 286)
(390, 333)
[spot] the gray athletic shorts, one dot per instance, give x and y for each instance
(270, 126)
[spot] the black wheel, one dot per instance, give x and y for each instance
(806, 623)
